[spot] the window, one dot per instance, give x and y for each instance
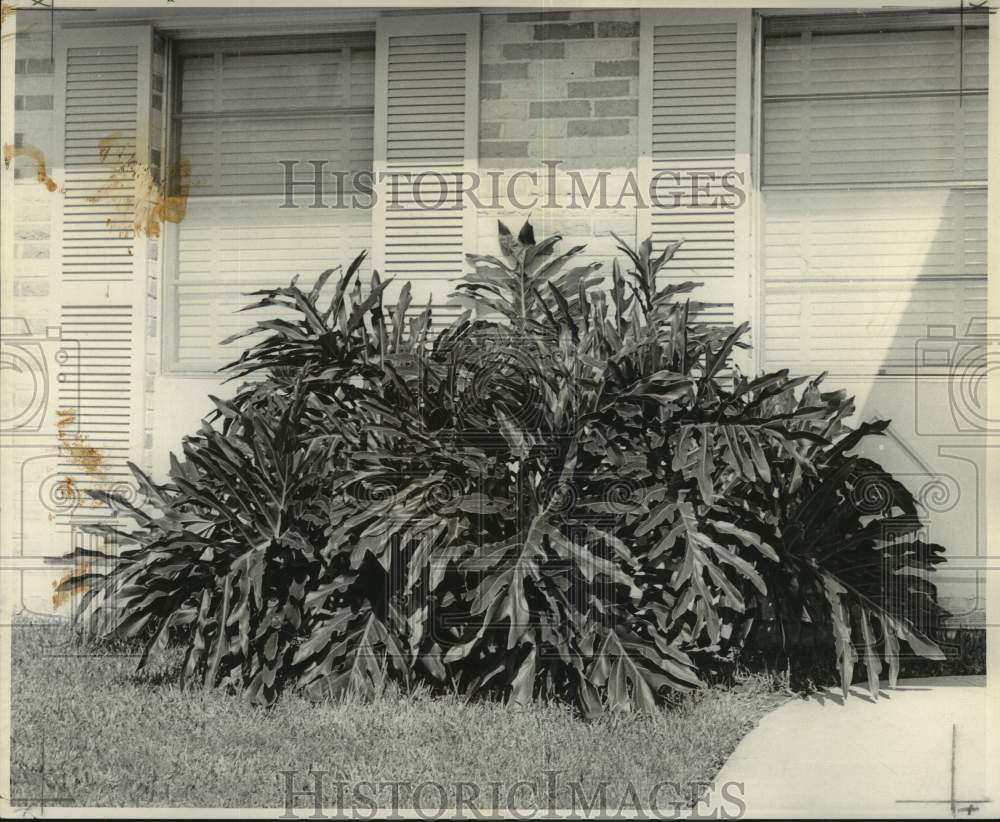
(873, 188)
(240, 107)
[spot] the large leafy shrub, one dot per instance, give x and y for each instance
(570, 494)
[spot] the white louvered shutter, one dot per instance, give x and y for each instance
(426, 126)
(105, 104)
(874, 190)
(694, 130)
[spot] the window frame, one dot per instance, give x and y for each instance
(839, 22)
(176, 48)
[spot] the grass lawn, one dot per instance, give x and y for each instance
(86, 730)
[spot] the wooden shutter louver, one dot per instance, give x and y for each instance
(100, 132)
(104, 104)
(426, 127)
(695, 124)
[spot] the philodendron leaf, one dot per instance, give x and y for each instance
(873, 665)
(522, 686)
(526, 236)
(891, 649)
(842, 631)
(506, 239)
(921, 644)
(348, 517)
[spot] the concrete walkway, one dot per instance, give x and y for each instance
(917, 751)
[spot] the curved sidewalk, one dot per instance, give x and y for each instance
(917, 751)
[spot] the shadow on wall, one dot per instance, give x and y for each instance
(888, 294)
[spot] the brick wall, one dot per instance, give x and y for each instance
(559, 87)
(29, 457)
(35, 206)
(152, 363)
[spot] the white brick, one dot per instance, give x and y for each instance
(572, 68)
(34, 84)
(519, 129)
(491, 53)
(537, 87)
(600, 49)
(503, 110)
(623, 15)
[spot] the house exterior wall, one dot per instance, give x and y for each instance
(35, 214)
(30, 313)
(554, 86)
(560, 86)
(39, 497)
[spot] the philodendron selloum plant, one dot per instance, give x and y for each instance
(565, 492)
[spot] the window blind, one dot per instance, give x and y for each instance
(240, 107)
(873, 183)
